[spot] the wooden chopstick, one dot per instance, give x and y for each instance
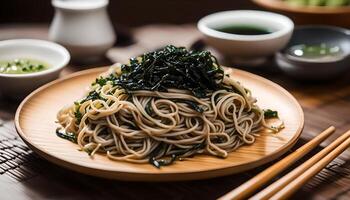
(277, 186)
(248, 188)
(288, 190)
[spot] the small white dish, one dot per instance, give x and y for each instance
(316, 69)
(251, 49)
(19, 85)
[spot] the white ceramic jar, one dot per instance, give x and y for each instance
(83, 27)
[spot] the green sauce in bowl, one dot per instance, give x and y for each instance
(22, 66)
(317, 52)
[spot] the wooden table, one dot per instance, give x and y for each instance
(26, 176)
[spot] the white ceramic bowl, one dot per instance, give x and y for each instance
(19, 85)
(247, 46)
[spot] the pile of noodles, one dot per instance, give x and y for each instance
(159, 126)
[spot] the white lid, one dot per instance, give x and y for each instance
(79, 4)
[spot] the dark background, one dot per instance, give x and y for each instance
(128, 13)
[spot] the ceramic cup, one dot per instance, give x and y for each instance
(83, 27)
(247, 49)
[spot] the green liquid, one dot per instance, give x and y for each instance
(244, 30)
(22, 66)
(322, 52)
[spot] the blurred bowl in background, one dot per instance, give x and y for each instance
(333, 44)
(248, 49)
(19, 85)
(302, 15)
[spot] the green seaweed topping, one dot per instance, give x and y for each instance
(268, 113)
(172, 67)
(66, 135)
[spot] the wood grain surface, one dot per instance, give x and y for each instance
(36, 116)
(24, 175)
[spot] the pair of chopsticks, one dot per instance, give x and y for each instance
(288, 184)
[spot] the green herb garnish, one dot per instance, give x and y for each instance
(93, 95)
(103, 80)
(88, 151)
(66, 135)
(156, 153)
(268, 113)
(78, 116)
(192, 104)
(22, 66)
(149, 109)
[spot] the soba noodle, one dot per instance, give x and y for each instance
(157, 126)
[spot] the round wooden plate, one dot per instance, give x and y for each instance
(36, 116)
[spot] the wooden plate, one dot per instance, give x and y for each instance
(36, 116)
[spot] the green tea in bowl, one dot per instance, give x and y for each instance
(22, 66)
